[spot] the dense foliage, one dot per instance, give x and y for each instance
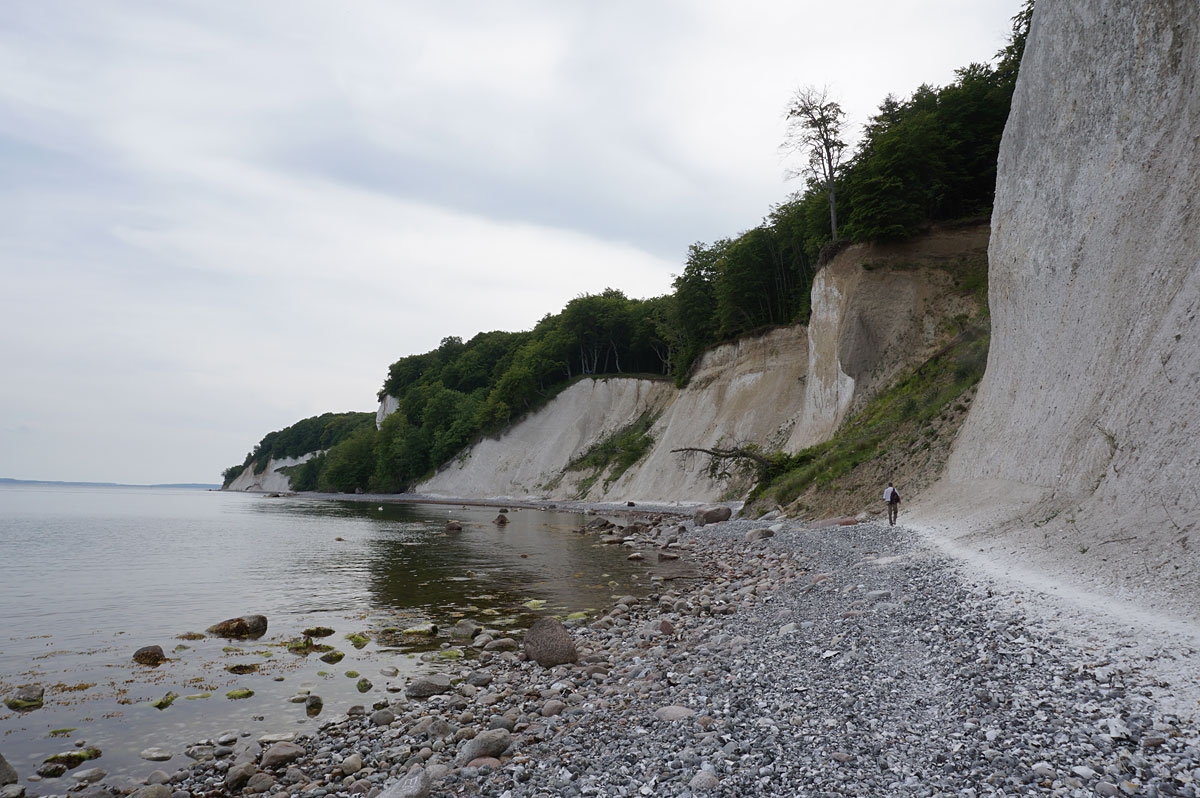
(928, 158)
(309, 435)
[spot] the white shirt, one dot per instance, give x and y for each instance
(887, 493)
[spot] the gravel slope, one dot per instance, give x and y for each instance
(888, 677)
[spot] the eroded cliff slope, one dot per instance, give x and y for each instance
(1081, 449)
(878, 310)
(272, 478)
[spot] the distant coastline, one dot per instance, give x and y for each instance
(189, 485)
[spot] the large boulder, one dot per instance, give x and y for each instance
(489, 743)
(426, 686)
(711, 514)
(7, 774)
(245, 626)
(26, 698)
(149, 655)
(281, 754)
(548, 643)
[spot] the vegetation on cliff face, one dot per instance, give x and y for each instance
(927, 158)
(887, 440)
(613, 455)
(308, 435)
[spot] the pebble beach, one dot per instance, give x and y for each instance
(832, 661)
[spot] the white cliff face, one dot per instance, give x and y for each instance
(787, 389)
(1084, 429)
(529, 458)
(750, 391)
(873, 316)
(387, 405)
(270, 480)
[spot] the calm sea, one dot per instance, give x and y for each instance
(88, 575)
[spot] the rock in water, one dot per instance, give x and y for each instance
(165, 701)
(416, 784)
(548, 643)
(317, 631)
(149, 655)
(7, 774)
(26, 698)
(52, 770)
(500, 520)
(245, 626)
(453, 526)
(73, 759)
(711, 514)
(466, 629)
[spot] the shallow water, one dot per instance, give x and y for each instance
(88, 575)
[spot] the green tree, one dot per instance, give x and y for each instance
(815, 125)
(350, 464)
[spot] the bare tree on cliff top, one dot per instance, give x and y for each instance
(814, 128)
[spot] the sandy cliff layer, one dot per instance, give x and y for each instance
(1081, 447)
(270, 479)
(877, 311)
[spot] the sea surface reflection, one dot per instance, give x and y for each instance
(92, 574)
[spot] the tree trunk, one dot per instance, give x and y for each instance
(832, 200)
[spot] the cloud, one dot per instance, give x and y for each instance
(217, 218)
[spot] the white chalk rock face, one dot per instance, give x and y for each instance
(1091, 398)
(270, 478)
(387, 405)
(531, 455)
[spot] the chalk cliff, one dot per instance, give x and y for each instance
(271, 478)
(1081, 447)
(877, 310)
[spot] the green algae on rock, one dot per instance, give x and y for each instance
(165, 701)
(73, 759)
(318, 631)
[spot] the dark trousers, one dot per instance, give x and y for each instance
(893, 510)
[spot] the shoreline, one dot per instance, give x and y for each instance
(631, 509)
(844, 659)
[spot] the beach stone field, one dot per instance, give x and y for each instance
(788, 661)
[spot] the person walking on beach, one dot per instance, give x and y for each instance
(892, 497)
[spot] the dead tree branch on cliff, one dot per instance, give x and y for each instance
(747, 455)
(734, 453)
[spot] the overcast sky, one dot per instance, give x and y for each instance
(220, 217)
